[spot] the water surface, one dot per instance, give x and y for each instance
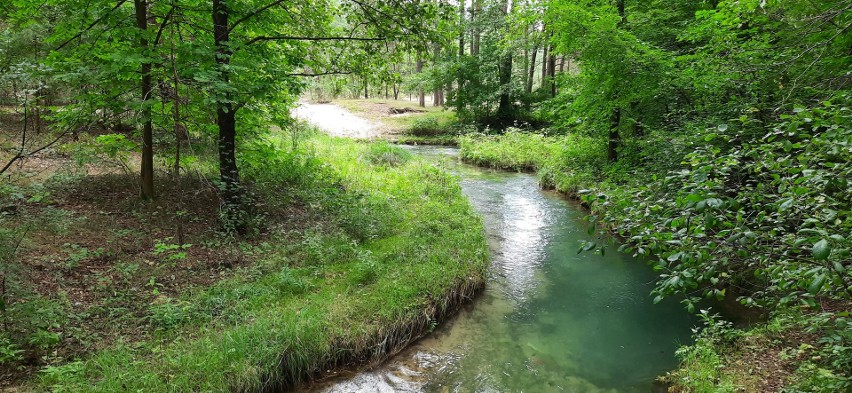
(550, 319)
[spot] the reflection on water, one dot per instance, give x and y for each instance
(550, 320)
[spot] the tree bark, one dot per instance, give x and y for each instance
(544, 67)
(226, 118)
(419, 69)
(147, 167)
(178, 127)
(614, 138)
(474, 17)
(531, 75)
(461, 28)
(437, 93)
(615, 120)
(551, 73)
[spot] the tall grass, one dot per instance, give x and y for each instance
(396, 247)
(566, 163)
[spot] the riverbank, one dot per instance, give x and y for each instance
(354, 251)
(399, 122)
(805, 343)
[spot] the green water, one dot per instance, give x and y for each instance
(550, 320)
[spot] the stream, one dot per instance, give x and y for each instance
(549, 320)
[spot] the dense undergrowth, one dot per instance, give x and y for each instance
(756, 211)
(356, 250)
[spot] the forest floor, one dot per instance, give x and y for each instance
(341, 266)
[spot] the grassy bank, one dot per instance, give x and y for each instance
(566, 163)
(774, 231)
(355, 250)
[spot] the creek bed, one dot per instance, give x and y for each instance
(550, 319)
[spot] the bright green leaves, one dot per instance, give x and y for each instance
(821, 250)
(767, 214)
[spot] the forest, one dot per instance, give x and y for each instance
(174, 215)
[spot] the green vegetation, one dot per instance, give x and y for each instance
(360, 248)
(715, 140)
(712, 136)
(775, 231)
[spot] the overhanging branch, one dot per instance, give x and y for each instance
(294, 38)
(93, 24)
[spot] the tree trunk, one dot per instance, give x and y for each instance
(178, 127)
(147, 169)
(226, 119)
(551, 73)
(474, 16)
(504, 108)
(614, 137)
(461, 28)
(615, 121)
(366, 93)
(437, 93)
(419, 69)
(531, 75)
(544, 67)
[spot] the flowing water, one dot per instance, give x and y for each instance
(550, 319)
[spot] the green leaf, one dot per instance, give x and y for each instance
(821, 250)
(816, 284)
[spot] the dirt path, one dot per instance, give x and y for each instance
(337, 121)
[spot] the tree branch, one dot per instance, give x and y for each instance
(322, 73)
(292, 38)
(254, 13)
(93, 24)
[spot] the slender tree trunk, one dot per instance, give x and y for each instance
(226, 118)
(614, 137)
(544, 67)
(176, 102)
(615, 120)
(459, 77)
(461, 28)
(504, 108)
(419, 69)
(474, 17)
(531, 75)
(551, 73)
(366, 93)
(147, 170)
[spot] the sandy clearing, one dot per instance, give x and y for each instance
(337, 121)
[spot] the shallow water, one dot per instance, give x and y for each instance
(550, 319)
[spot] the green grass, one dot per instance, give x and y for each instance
(398, 248)
(427, 124)
(724, 359)
(565, 163)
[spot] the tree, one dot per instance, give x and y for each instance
(147, 170)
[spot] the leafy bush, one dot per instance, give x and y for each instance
(771, 214)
